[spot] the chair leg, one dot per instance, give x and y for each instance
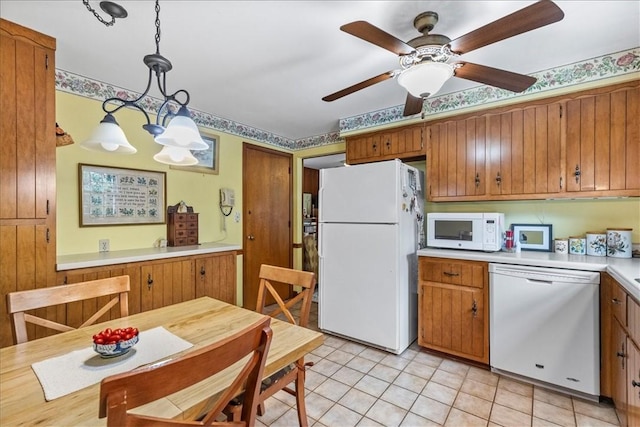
(302, 409)
(261, 409)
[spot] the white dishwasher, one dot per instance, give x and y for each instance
(544, 325)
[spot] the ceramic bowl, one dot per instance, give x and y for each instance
(115, 350)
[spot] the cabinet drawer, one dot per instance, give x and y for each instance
(468, 273)
(192, 240)
(181, 233)
(192, 217)
(180, 217)
(180, 225)
(619, 304)
(192, 225)
(192, 233)
(180, 241)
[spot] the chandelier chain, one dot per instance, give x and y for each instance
(157, 26)
(97, 15)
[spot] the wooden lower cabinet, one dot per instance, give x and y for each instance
(157, 283)
(620, 374)
(453, 303)
(216, 277)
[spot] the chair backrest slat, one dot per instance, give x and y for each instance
(305, 281)
(20, 302)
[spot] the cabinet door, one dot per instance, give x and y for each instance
(633, 385)
(452, 320)
(619, 368)
(456, 158)
(402, 143)
(602, 142)
(524, 151)
(363, 148)
(166, 283)
(216, 277)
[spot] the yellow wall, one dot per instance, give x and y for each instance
(78, 116)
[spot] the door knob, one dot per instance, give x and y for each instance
(251, 237)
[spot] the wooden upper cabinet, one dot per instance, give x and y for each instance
(456, 158)
(405, 143)
(525, 151)
(603, 142)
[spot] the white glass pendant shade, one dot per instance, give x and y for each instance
(109, 137)
(425, 79)
(175, 156)
(182, 132)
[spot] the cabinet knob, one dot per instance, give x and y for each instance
(477, 180)
(149, 281)
(616, 301)
(498, 178)
(474, 308)
(577, 173)
(251, 237)
(202, 271)
(635, 383)
(450, 274)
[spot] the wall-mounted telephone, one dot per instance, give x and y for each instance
(227, 198)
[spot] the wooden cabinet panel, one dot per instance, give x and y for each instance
(406, 143)
(525, 151)
(456, 158)
(619, 370)
(633, 385)
(603, 147)
(216, 277)
(453, 307)
(27, 166)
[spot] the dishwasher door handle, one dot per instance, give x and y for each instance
(540, 281)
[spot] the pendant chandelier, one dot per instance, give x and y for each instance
(176, 132)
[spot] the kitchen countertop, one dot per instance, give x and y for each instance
(624, 270)
(97, 259)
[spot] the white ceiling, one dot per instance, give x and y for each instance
(267, 64)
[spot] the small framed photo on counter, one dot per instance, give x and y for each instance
(533, 237)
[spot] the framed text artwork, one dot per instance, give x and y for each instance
(119, 196)
(207, 159)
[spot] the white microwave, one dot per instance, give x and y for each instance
(471, 231)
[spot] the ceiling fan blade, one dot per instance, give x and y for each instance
(375, 35)
(537, 15)
(494, 77)
(412, 106)
(358, 86)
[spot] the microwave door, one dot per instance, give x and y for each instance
(457, 230)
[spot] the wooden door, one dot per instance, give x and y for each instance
(267, 190)
(166, 283)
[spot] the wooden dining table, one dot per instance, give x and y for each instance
(200, 321)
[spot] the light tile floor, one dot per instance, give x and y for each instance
(351, 384)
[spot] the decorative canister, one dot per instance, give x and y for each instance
(619, 242)
(562, 246)
(597, 243)
(577, 245)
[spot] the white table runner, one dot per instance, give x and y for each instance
(65, 374)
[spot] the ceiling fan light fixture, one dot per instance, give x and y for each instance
(108, 137)
(425, 79)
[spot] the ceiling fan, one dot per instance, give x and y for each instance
(428, 61)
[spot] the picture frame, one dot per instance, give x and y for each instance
(533, 237)
(208, 159)
(120, 196)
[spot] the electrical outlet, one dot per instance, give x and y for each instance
(103, 245)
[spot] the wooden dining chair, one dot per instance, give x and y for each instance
(19, 302)
(122, 392)
(294, 310)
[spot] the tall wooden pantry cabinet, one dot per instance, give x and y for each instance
(27, 164)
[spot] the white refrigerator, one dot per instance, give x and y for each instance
(370, 226)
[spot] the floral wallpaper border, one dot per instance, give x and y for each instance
(615, 64)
